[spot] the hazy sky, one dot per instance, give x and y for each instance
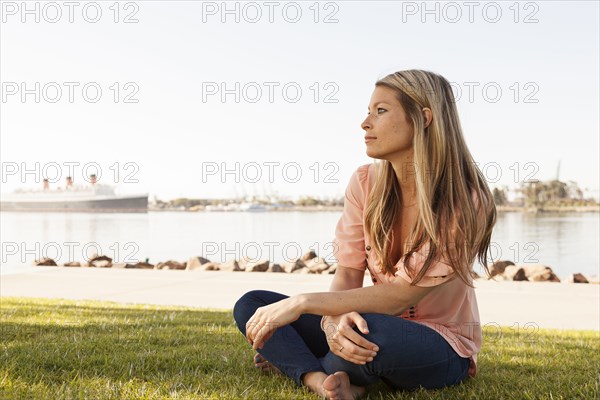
(538, 62)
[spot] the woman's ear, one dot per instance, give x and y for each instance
(427, 116)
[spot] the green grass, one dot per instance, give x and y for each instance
(58, 349)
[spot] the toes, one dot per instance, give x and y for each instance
(264, 365)
(337, 386)
(332, 382)
(258, 358)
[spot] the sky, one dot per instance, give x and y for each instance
(213, 100)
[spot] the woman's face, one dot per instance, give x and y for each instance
(387, 124)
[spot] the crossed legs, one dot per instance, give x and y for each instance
(410, 354)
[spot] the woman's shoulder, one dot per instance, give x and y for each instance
(365, 173)
(363, 169)
(362, 180)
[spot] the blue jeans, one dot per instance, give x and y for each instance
(410, 354)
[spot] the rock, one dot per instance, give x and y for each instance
(170, 264)
(577, 278)
(544, 276)
(101, 264)
(514, 273)
(332, 269)
(293, 266)
(231, 265)
(498, 267)
(275, 268)
(539, 273)
(257, 266)
(195, 263)
(242, 263)
(309, 255)
(72, 264)
(539, 276)
(554, 278)
(211, 266)
(45, 262)
(532, 269)
(99, 261)
(140, 265)
(119, 265)
(317, 265)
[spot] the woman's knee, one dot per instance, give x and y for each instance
(392, 334)
(246, 305)
(378, 331)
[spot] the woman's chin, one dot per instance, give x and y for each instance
(373, 154)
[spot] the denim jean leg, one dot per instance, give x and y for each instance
(458, 368)
(360, 375)
(410, 355)
(286, 349)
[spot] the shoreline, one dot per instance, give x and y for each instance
(7, 270)
(319, 208)
(505, 303)
(547, 209)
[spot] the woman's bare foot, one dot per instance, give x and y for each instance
(264, 365)
(337, 387)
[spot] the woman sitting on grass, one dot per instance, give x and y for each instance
(417, 220)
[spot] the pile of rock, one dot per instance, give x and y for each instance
(309, 263)
(507, 270)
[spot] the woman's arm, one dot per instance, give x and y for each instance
(339, 331)
(388, 298)
(346, 278)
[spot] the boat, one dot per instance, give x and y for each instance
(220, 207)
(244, 206)
(95, 197)
(252, 207)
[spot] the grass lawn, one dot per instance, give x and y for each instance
(58, 349)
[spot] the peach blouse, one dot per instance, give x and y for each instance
(451, 310)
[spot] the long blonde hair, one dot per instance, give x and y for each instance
(446, 178)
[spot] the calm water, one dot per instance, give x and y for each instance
(566, 242)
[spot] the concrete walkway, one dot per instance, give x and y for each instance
(520, 305)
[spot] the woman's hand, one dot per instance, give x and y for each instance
(345, 342)
(267, 319)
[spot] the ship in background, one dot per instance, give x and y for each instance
(95, 197)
